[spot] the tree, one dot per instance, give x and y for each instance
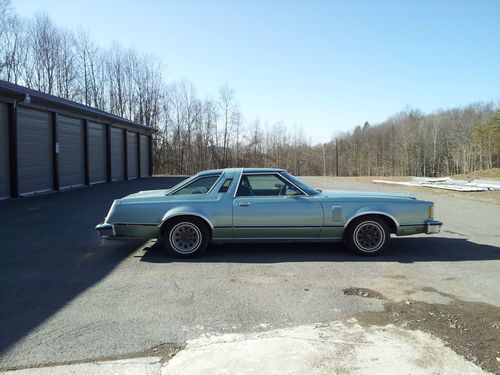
(194, 133)
(229, 120)
(45, 41)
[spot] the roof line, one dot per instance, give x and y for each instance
(10, 88)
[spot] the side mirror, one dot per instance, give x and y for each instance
(290, 192)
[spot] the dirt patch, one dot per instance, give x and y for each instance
(396, 277)
(471, 329)
(165, 351)
(449, 279)
(363, 292)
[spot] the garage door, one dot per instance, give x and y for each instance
(4, 153)
(97, 152)
(144, 156)
(70, 159)
(34, 152)
(117, 154)
(131, 155)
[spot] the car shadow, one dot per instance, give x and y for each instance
(51, 253)
(401, 250)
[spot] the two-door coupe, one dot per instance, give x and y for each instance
(261, 204)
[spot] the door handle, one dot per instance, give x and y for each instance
(244, 204)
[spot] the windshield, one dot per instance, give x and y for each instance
(201, 185)
(301, 184)
(183, 182)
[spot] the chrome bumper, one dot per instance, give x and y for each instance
(105, 230)
(433, 226)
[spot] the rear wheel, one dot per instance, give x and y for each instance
(185, 237)
(367, 235)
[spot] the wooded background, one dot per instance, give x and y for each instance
(195, 133)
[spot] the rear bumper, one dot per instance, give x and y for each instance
(105, 230)
(433, 226)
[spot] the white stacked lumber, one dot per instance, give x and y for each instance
(447, 183)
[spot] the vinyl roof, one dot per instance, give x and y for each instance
(244, 170)
(37, 97)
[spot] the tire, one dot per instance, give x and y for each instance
(367, 235)
(185, 237)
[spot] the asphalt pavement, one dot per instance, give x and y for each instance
(67, 296)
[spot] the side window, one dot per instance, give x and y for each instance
(199, 186)
(225, 186)
(263, 185)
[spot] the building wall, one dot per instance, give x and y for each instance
(55, 151)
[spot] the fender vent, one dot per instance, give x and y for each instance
(336, 213)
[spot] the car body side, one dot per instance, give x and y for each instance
(321, 217)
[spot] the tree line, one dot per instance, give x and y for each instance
(195, 133)
(410, 143)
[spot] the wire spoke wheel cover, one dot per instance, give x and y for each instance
(369, 236)
(185, 238)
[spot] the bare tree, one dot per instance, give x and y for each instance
(228, 115)
(45, 41)
(194, 133)
(13, 49)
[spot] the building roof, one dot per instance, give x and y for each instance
(37, 97)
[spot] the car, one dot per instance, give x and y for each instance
(264, 205)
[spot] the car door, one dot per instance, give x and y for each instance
(262, 209)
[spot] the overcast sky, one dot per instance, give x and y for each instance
(324, 65)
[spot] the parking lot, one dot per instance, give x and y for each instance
(68, 296)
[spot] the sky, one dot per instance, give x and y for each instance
(325, 66)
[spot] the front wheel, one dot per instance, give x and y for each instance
(368, 235)
(185, 237)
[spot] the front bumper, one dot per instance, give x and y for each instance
(433, 226)
(105, 230)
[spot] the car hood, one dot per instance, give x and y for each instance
(147, 194)
(362, 194)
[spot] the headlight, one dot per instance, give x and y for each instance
(430, 212)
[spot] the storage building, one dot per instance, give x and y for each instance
(48, 143)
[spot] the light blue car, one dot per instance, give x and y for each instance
(264, 205)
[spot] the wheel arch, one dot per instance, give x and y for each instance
(187, 215)
(389, 219)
